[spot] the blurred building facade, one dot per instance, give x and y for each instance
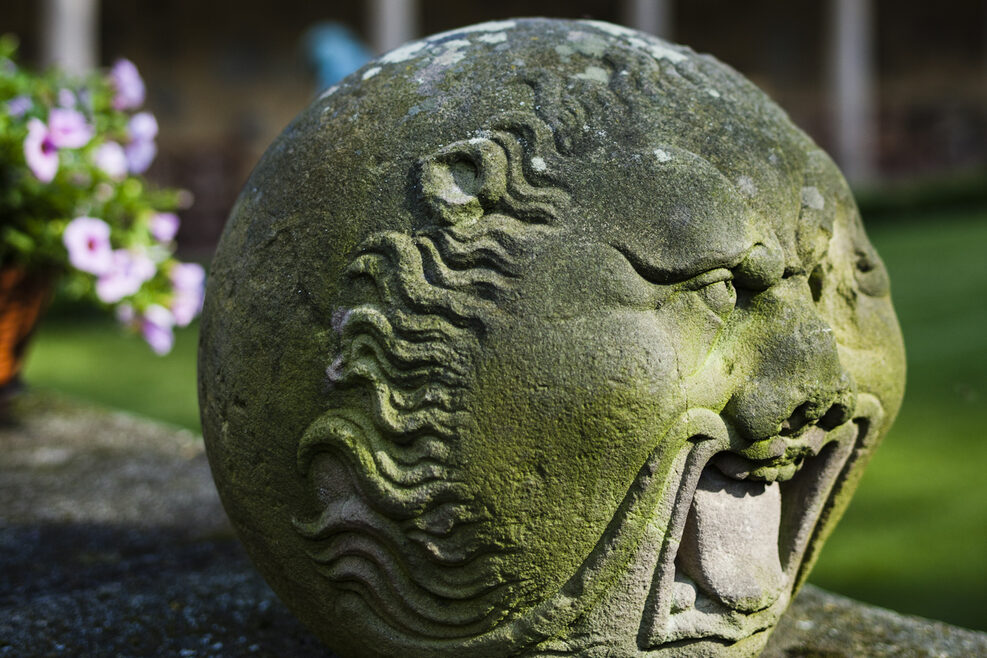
(891, 87)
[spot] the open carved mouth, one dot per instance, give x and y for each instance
(724, 531)
(740, 530)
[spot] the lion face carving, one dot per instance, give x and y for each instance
(601, 380)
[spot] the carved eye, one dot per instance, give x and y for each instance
(872, 278)
(717, 290)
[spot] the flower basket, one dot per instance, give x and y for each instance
(23, 297)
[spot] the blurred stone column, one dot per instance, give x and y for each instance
(70, 34)
(852, 87)
(652, 16)
(392, 22)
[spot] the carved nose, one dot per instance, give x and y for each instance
(806, 414)
(793, 374)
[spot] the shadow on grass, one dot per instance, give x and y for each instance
(91, 358)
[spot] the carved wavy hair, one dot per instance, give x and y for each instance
(399, 527)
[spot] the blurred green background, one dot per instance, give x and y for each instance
(915, 536)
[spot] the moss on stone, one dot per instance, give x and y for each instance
(516, 286)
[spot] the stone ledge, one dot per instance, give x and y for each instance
(820, 624)
(113, 542)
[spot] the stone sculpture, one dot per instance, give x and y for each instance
(543, 337)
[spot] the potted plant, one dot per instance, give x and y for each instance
(75, 209)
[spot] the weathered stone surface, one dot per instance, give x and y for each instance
(94, 579)
(487, 313)
(824, 625)
(113, 543)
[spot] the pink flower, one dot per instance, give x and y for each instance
(111, 159)
(127, 273)
(142, 128)
(87, 240)
(40, 151)
(68, 128)
(156, 327)
(164, 226)
(188, 280)
(140, 155)
(127, 83)
(185, 308)
(155, 324)
(187, 276)
(19, 105)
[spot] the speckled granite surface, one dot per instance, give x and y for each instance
(113, 543)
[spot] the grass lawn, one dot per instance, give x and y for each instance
(914, 538)
(90, 357)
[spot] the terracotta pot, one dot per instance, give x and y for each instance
(23, 296)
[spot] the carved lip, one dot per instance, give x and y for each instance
(803, 473)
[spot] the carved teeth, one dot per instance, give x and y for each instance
(781, 473)
(773, 460)
(738, 468)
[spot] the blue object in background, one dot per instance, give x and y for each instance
(335, 52)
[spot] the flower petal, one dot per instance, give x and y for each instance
(111, 158)
(142, 127)
(129, 271)
(127, 83)
(164, 226)
(87, 239)
(68, 128)
(40, 153)
(156, 327)
(187, 276)
(18, 105)
(140, 155)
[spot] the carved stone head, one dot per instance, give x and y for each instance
(543, 337)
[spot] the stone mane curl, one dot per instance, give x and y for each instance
(399, 527)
